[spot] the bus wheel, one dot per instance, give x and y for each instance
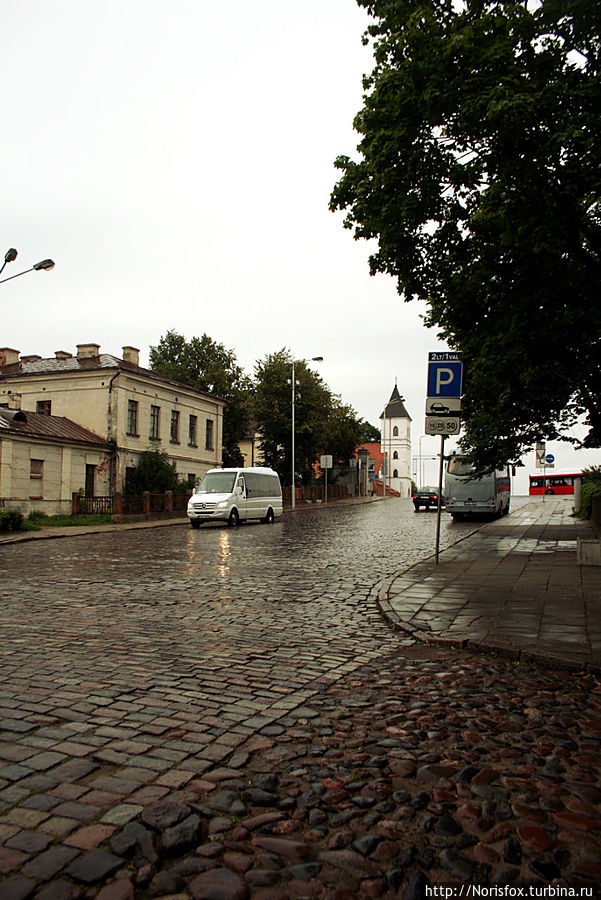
(269, 518)
(549, 491)
(234, 519)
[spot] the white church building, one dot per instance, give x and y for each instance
(395, 434)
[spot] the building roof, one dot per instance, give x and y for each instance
(57, 366)
(395, 408)
(53, 428)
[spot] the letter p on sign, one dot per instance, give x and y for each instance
(444, 375)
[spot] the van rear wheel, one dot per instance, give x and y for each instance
(234, 519)
(269, 517)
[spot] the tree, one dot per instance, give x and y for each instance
(155, 473)
(480, 179)
(323, 424)
(204, 364)
(369, 433)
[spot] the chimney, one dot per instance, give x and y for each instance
(8, 356)
(14, 401)
(62, 354)
(87, 351)
(33, 357)
(131, 355)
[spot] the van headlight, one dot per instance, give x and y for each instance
(222, 504)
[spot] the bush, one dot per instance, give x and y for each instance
(11, 520)
(154, 473)
(591, 485)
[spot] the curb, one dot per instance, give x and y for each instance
(508, 651)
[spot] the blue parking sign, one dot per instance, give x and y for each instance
(445, 374)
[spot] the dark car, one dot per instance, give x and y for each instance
(427, 497)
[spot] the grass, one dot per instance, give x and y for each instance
(36, 520)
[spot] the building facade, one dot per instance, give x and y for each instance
(395, 430)
(131, 408)
(45, 459)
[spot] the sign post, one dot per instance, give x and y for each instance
(443, 410)
(325, 463)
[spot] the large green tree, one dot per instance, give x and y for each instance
(206, 365)
(323, 424)
(479, 176)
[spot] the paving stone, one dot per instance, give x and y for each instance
(17, 888)
(94, 866)
(219, 884)
(50, 862)
(29, 841)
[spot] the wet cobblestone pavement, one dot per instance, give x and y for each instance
(224, 714)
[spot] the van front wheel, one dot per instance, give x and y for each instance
(234, 519)
(270, 517)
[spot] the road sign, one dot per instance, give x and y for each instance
(549, 460)
(325, 462)
(442, 425)
(448, 406)
(445, 374)
(540, 455)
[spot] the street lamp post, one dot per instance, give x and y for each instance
(293, 481)
(11, 255)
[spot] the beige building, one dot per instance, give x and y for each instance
(45, 459)
(129, 407)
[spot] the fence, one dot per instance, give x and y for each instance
(147, 505)
(313, 493)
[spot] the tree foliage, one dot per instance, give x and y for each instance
(204, 364)
(323, 424)
(480, 179)
(154, 472)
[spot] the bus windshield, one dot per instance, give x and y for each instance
(458, 465)
(217, 483)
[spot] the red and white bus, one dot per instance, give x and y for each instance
(562, 483)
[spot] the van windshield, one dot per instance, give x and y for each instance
(217, 483)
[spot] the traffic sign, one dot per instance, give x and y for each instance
(445, 375)
(540, 455)
(442, 425)
(549, 459)
(448, 406)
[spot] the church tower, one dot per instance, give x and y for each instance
(395, 432)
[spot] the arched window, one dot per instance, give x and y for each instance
(395, 455)
(395, 431)
(395, 474)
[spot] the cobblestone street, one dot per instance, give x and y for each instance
(223, 713)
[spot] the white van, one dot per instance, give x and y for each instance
(236, 495)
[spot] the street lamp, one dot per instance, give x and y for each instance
(293, 482)
(11, 255)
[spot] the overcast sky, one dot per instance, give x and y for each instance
(176, 162)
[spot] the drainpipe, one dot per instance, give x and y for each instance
(112, 439)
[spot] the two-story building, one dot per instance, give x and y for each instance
(129, 407)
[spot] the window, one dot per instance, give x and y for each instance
(192, 428)
(44, 407)
(209, 435)
(132, 417)
(155, 423)
(191, 480)
(395, 431)
(395, 474)
(395, 455)
(36, 468)
(175, 426)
